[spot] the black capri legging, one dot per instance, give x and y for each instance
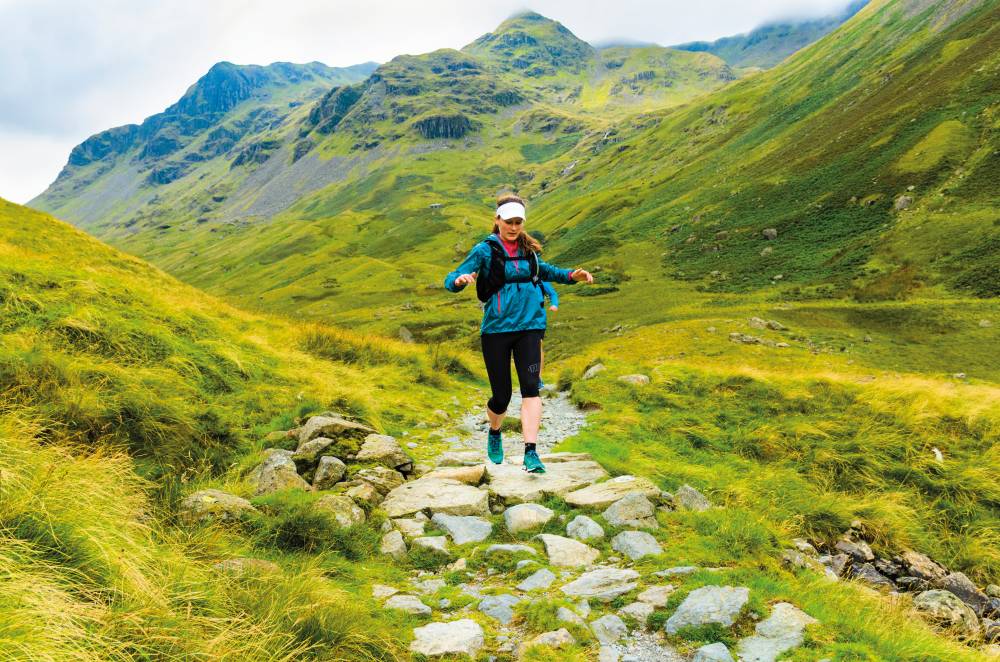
(526, 347)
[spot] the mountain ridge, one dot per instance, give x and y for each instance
(445, 94)
(770, 43)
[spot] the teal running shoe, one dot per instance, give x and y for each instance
(494, 447)
(532, 464)
(541, 384)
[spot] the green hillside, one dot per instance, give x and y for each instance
(858, 151)
(123, 390)
(121, 383)
(766, 46)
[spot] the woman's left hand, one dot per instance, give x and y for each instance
(553, 308)
(580, 276)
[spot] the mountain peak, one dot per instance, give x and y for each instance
(532, 44)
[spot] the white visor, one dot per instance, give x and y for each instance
(509, 210)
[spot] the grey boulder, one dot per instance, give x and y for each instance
(602, 495)
(410, 604)
(582, 527)
(331, 427)
(329, 472)
(716, 652)
(209, 505)
(393, 545)
(384, 450)
(439, 495)
(464, 528)
(342, 508)
(709, 604)
(277, 472)
(461, 637)
(783, 630)
(603, 584)
(526, 516)
(945, 609)
(541, 579)
(566, 552)
(636, 544)
(632, 510)
(688, 498)
(609, 628)
(499, 607)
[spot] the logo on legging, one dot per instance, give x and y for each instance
(533, 367)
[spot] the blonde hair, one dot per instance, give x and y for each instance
(526, 242)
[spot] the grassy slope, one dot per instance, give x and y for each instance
(820, 149)
(91, 334)
(119, 383)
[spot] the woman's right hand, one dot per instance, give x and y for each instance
(465, 279)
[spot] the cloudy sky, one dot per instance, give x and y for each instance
(69, 69)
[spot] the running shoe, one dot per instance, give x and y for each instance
(532, 464)
(494, 447)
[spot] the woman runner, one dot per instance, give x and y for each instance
(513, 319)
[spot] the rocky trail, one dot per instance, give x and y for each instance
(494, 547)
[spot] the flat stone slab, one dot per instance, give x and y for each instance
(554, 458)
(566, 552)
(462, 637)
(462, 458)
(500, 607)
(410, 604)
(640, 611)
(471, 475)
(603, 584)
(439, 495)
(609, 628)
(709, 604)
(541, 579)
(514, 485)
(604, 494)
(464, 528)
(783, 630)
(656, 595)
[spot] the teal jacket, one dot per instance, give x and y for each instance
(517, 306)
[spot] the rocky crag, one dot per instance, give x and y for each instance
(488, 541)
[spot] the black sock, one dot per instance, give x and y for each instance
(492, 431)
(529, 447)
